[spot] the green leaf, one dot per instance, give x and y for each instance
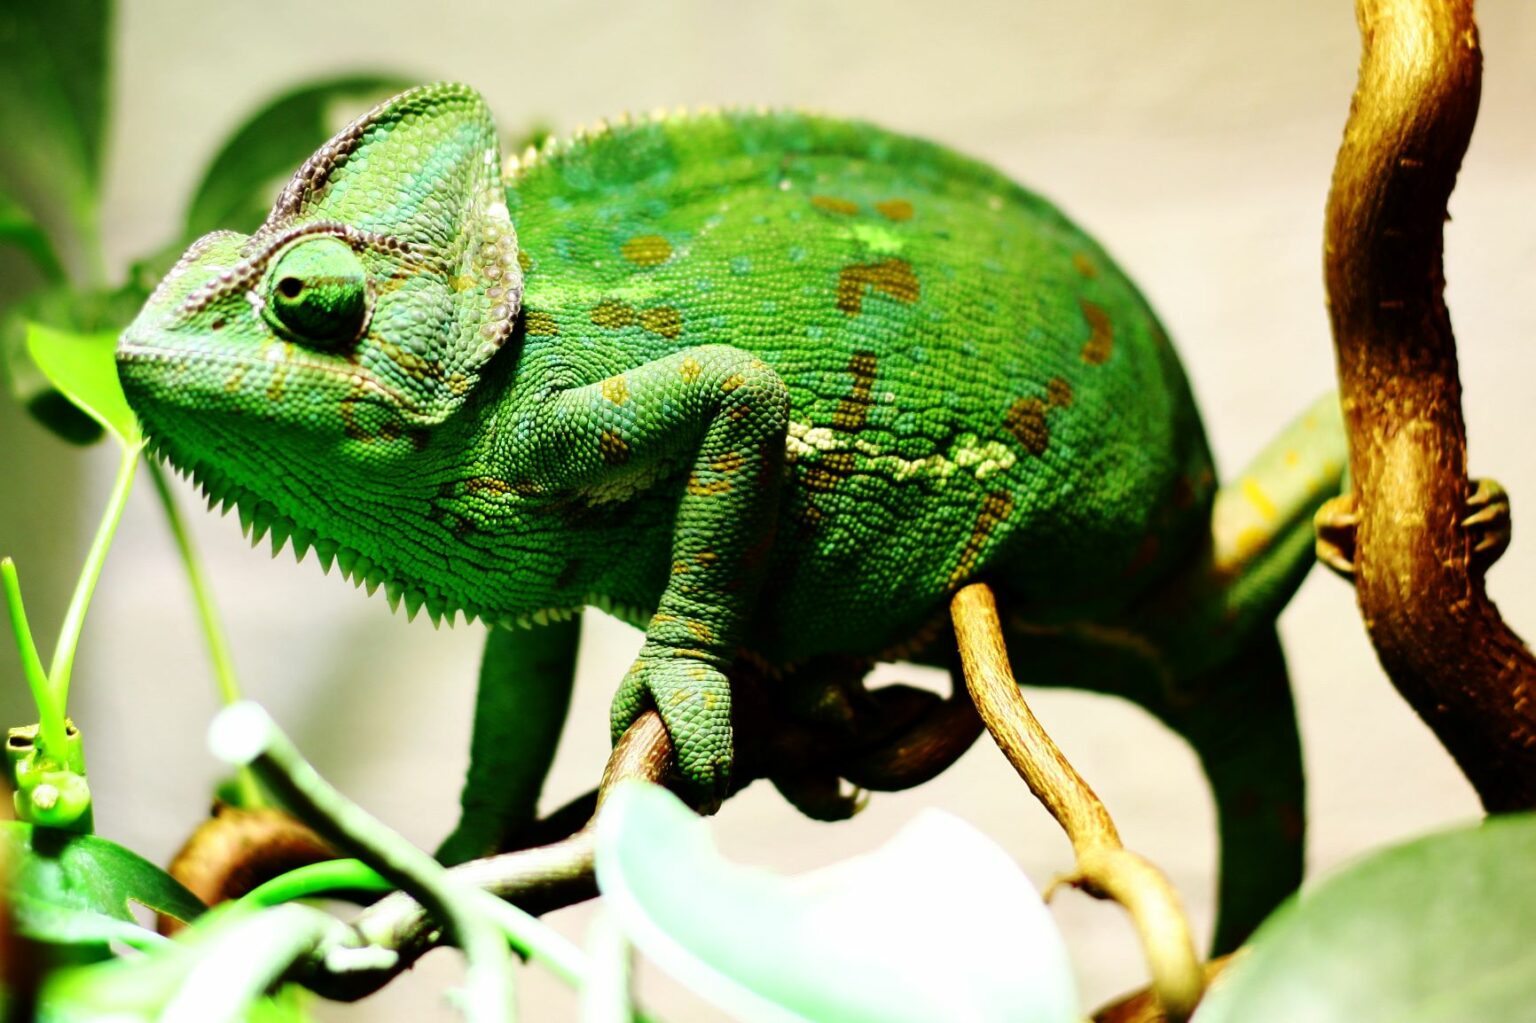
(53, 75)
(937, 924)
(253, 164)
(18, 228)
(1439, 930)
(62, 880)
(84, 369)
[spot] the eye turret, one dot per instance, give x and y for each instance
(316, 291)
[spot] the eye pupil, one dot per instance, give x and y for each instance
(317, 292)
(289, 287)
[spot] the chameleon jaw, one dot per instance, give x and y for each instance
(260, 519)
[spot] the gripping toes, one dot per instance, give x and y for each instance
(1485, 517)
(694, 701)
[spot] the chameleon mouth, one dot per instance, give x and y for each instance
(260, 520)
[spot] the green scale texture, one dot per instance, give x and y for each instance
(769, 385)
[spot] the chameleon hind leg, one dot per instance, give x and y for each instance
(520, 707)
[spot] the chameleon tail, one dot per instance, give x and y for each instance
(1243, 728)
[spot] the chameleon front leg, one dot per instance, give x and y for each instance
(722, 413)
(520, 707)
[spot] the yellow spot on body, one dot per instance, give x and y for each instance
(1101, 334)
(1292, 457)
(232, 384)
(647, 250)
(895, 209)
(706, 557)
(690, 370)
(613, 448)
(731, 461)
(615, 389)
(842, 207)
(613, 315)
(523, 260)
(1260, 500)
(699, 488)
(1083, 265)
(1058, 393)
(732, 382)
(540, 324)
(893, 278)
(663, 320)
(700, 631)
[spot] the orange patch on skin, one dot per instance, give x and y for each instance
(893, 278)
(1101, 334)
(487, 484)
(842, 207)
(1083, 265)
(853, 410)
(895, 209)
(1058, 393)
(647, 250)
(1025, 419)
(699, 488)
(615, 389)
(699, 631)
(995, 509)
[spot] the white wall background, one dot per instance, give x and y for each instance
(1196, 138)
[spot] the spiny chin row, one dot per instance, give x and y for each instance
(259, 519)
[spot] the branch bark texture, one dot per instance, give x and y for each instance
(1438, 636)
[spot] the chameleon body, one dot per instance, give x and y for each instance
(771, 386)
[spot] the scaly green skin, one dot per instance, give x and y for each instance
(771, 385)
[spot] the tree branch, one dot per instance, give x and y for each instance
(1439, 638)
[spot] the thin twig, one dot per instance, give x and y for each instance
(1105, 868)
(1439, 638)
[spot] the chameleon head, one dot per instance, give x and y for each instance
(356, 319)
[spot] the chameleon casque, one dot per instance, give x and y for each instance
(771, 386)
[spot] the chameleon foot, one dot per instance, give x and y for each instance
(694, 701)
(1487, 521)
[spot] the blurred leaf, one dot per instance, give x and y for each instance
(53, 74)
(69, 311)
(62, 879)
(1440, 929)
(18, 228)
(84, 369)
(254, 163)
(938, 924)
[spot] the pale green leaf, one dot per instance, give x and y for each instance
(1440, 930)
(84, 369)
(938, 924)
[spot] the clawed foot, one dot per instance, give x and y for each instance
(694, 700)
(1487, 521)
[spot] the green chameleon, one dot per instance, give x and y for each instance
(771, 386)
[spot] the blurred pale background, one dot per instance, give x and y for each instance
(1195, 139)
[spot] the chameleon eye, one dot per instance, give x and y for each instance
(317, 292)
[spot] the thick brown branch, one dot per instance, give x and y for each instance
(1105, 868)
(1439, 638)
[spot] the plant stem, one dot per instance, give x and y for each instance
(318, 879)
(208, 616)
(63, 662)
(246, 734)
(1105, 868)
(50, 713)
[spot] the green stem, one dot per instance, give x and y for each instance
(246, 734)
(74, 619)
(208, 615)
(50, 713)
(318, 879)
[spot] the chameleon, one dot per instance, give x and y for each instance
(770, 385)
